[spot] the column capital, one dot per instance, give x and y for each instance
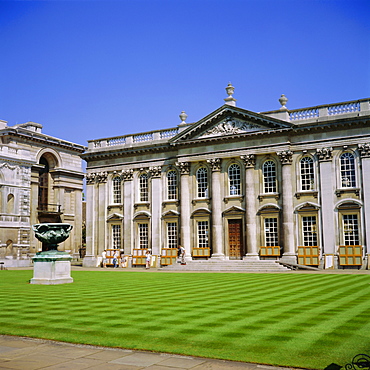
(98, 177)
(286, 156)
(127, 175)
(215, 164)
(184, 167)
(90, 178)
(364, 150)
(249, 160)
(155, 171)
(324, 154)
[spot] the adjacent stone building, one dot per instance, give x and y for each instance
(41, 180)
(292, 185)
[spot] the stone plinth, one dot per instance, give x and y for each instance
(52, 267)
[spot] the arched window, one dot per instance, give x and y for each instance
(347, 170)
(172, 184)
(202, 182)
(234, 179)
(117, 195)
(43, 184)
(143, 186)
(269, 177)
(307, 173)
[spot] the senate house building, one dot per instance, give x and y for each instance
(236, 186)
(41, 180)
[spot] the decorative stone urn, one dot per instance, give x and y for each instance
(52, 266)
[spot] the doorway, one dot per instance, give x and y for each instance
(235, 239)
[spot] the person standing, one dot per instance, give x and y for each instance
(147, 259)
(115, 259)
(104, 258)
(182, 255)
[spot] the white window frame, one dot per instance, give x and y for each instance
(116, 190)
(203, 234)
(307, 173)
(271, 237)
(116, 235)
(143, 188)
(234, 176)
(172, 234)
(172, 186)
(270, 174)
(347, 170)
(202, 182)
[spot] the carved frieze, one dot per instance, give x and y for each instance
(249, 160)
(127, 175)
(215, 164)
(286, 156)
(231, 126)
(184, 167)
(364, 150)
(324, 154)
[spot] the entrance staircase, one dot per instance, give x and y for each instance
(228, 266)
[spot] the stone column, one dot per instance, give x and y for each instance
(364, 150)
(91, 204)
(289, 254)
(251, 209)
(156, 203)
(102, 236)
(217, 230)
(184, 168)
(327, 188)
(128, 193)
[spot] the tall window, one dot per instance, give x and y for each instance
(117, 196)
(143, 185)
(202, 181)
(203, 234)
(172, 235)
(172, 184)
(271, 232)
(307, 173)
(347, 170)
(43, 185)
(351, 230)
(10, 204)
(309, 231)
(116, 236)
(143, 236)
(234, 179)
(269, 177)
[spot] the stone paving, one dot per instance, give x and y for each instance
(32, 354)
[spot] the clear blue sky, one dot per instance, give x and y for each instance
(92, 69)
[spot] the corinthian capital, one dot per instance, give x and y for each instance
(324, 154)
(286, 156)
(215, 164)
(249, 160)
(184, 167)
(101, 177)
(90, 178)
(364, 150)
(155, 171)
(127, 175)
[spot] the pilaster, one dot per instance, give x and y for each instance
(156, 202)
(128, 193)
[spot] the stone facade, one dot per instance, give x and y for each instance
(285, 184)
(41, 180)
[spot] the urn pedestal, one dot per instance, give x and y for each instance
(51, 266)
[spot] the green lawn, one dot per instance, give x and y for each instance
(298, 320)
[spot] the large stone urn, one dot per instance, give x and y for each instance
(52, 266)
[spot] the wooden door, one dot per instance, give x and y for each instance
(235, 239)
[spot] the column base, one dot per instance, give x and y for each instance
(289, 257)
(251, 257)
(218, 256)
(89, 261)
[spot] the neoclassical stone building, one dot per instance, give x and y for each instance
(41, 180)
(285, 184)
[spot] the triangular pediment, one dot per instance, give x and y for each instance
(230, 121)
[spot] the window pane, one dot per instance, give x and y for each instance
(350, 230)
(143, 236)
(144, 195)
(172, 185)
(116, 190)
(202, 180)
(307, 174)
(172, 235)
(116, 236)
(347, 170)
(234, 179)
(309, 231)
(203, 234)
(271, 232)
(269, 177)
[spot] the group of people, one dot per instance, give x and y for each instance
(119, 260)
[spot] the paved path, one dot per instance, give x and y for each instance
(31, 354)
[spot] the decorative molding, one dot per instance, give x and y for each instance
(324, 154)
(155, 171)
(127, 175)
(339, 192)
(310, 193)
(240, 198)
(90, 178)
(261, 197)
(249, 160)
(286, 156)
(231, 126)
(364, 150)
(215, 164)
(184, 167)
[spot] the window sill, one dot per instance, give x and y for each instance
(307, 193)
(200, 200)
(341, 191)
(228, 198)
(268, 195)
